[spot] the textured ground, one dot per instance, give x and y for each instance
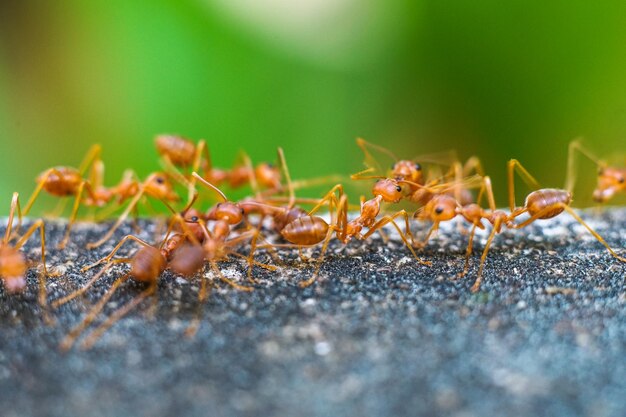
(378, 335)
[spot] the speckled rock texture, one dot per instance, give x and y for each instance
(377, 335)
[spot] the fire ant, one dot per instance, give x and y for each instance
(443, 206)
(611, 180)
(67, 181)
(178, 151)
(13, 265)
(215, 244)
(411, 173)
(146, 266)
(544, 203)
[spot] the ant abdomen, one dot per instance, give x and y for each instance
(147, 264)
(188, 260)
(307, 230)
(179, 150)
(283, 219)
(540, 200)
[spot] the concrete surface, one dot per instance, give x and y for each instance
(378, 335)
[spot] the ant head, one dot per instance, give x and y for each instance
(267, 175)
(441, 208)
(158, 185)
(390, 190)
(192, 215)
(610, 181)
(230, 212)
(407, 170)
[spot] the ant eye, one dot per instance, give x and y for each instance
(620, 180)
(218, 204)
(398, 188)
(439, 210)
(393, 166)
(242, 211)
(159, 180)
(418, 167)
(194, 219)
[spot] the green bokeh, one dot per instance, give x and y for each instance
(498, 80)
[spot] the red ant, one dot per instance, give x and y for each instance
(411, 173)
(146, 266)
(177, 151)
(544, 203)
(444, 207)
(67, 181)
(215, 243)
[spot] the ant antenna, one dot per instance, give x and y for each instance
(211, 186)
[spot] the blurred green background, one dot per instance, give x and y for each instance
(499, 80)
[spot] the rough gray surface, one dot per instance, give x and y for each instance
(378, 335)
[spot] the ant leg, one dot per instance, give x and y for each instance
(203, 295)
(233, 284)
(361, 175)
(117, 247)
(429, 235)
(290, 190)
(329, 197)
(39, 224)
(391, 219)
(250, 258)
(84, 184)
(38, 189)
(173, 171)
(195, 167)
(70, 338)
(370, 161)
(593, 232)
(255, 263)
(247, 162)
(116, 316)
(15, 206)
(209, 185)
(473, 164)
(483, 258)
(515, 165)
(60, 301)
(58, 209)
(576, 217)
(119, 221)
(93, 154)
(468, 251)
(489, 191)
(574, 146)
(320, 259)
(251, 255)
